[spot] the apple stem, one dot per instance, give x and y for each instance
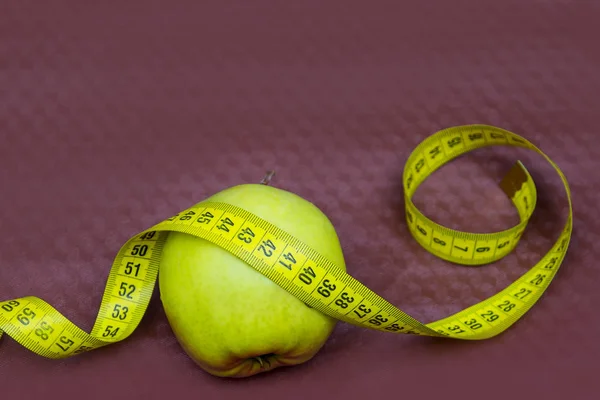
(262, 360)
(267, 178)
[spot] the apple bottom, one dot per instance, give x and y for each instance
(246, 367)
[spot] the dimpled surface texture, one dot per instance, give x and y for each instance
(116, 115)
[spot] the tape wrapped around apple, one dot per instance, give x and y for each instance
(230, 319)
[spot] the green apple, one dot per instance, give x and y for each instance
(229, 318)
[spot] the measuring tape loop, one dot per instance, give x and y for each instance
(41, 328)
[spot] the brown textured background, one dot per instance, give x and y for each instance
(116, 115)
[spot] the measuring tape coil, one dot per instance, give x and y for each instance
(39, 327)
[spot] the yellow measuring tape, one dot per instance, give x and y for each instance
(40, 328)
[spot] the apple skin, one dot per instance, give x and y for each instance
(231, 320)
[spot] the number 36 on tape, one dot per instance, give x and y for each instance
(42, 329)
